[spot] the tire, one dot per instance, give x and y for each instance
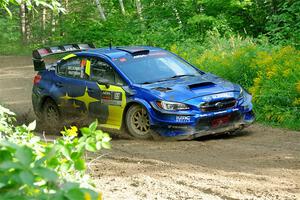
(137, 122)
(51, 117)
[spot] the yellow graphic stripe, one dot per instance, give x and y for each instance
(85, 98)
(69, 56)
(115, 112)
(88, 67)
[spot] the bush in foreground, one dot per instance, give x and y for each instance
(34, 169)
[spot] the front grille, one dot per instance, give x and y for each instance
(218, 105)
(206, 123)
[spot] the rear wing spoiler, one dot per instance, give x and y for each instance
(39, 54)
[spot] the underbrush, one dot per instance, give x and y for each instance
(270, 73)
(36, 169)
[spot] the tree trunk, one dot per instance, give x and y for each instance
(122, 6)
(101, 10)
(53, 23)
(27, 22)
(43, 22)
(139, 8)
(23, 22)
(67, 5)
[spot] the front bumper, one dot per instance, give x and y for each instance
(201, 125)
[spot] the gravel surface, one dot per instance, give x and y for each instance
(258, 163)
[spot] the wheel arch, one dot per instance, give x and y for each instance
(140, 102)
(43, 101)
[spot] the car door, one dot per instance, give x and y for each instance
(70, 84)
(106, 85)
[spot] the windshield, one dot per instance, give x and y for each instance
(156, 66)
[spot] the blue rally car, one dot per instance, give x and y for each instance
(144, 90)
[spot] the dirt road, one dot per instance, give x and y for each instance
(259, 163)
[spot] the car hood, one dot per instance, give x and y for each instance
(187, 88)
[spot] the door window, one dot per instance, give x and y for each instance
(102, 71)
(73, 67)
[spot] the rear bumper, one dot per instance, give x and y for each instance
(36, 101)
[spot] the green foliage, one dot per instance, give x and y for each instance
(31, 4)
(270, 73)
(163, 22)
(284, 26)
(34, 169)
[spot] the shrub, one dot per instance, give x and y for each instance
(270, 73)
(34, 169)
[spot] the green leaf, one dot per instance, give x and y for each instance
(26, 177)
(99, 135)
(85, 131)
(46, 173)
(90, 140)
(90, 147)
(74, 194)
(10, 165)
(5, 155)
(80, 164)
(106, 145)
(65, 151)
(32, 126)
(75, 155)
(93, 126)
(98, 145)
(24, 155)
(69, 185)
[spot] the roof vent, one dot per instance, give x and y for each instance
(134, 51)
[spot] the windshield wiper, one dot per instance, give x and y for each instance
(150, 82)
(182, 75)
(165, 79)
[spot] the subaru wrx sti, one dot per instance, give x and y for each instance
(144, 90)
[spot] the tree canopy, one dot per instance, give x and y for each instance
(152, 22)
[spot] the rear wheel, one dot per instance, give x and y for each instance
(51, 116)
(137, 122)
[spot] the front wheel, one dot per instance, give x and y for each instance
(137, 122)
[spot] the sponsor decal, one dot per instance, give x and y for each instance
(183, 118)
(69, 48)
(218, 96)
(111, 98)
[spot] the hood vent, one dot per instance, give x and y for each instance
(200, 85)
(162, 89)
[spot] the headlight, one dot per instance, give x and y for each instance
(166, 105)
(242, 93)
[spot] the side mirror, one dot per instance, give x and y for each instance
(103, 82)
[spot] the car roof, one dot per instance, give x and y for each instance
(117, 52)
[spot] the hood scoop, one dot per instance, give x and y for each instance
(162, 89)
(201, 85)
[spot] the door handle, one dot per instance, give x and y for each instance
(59, 84)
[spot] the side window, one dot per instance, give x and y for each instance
(73, 67)
(101, 71)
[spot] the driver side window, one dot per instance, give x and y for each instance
(101, 71)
